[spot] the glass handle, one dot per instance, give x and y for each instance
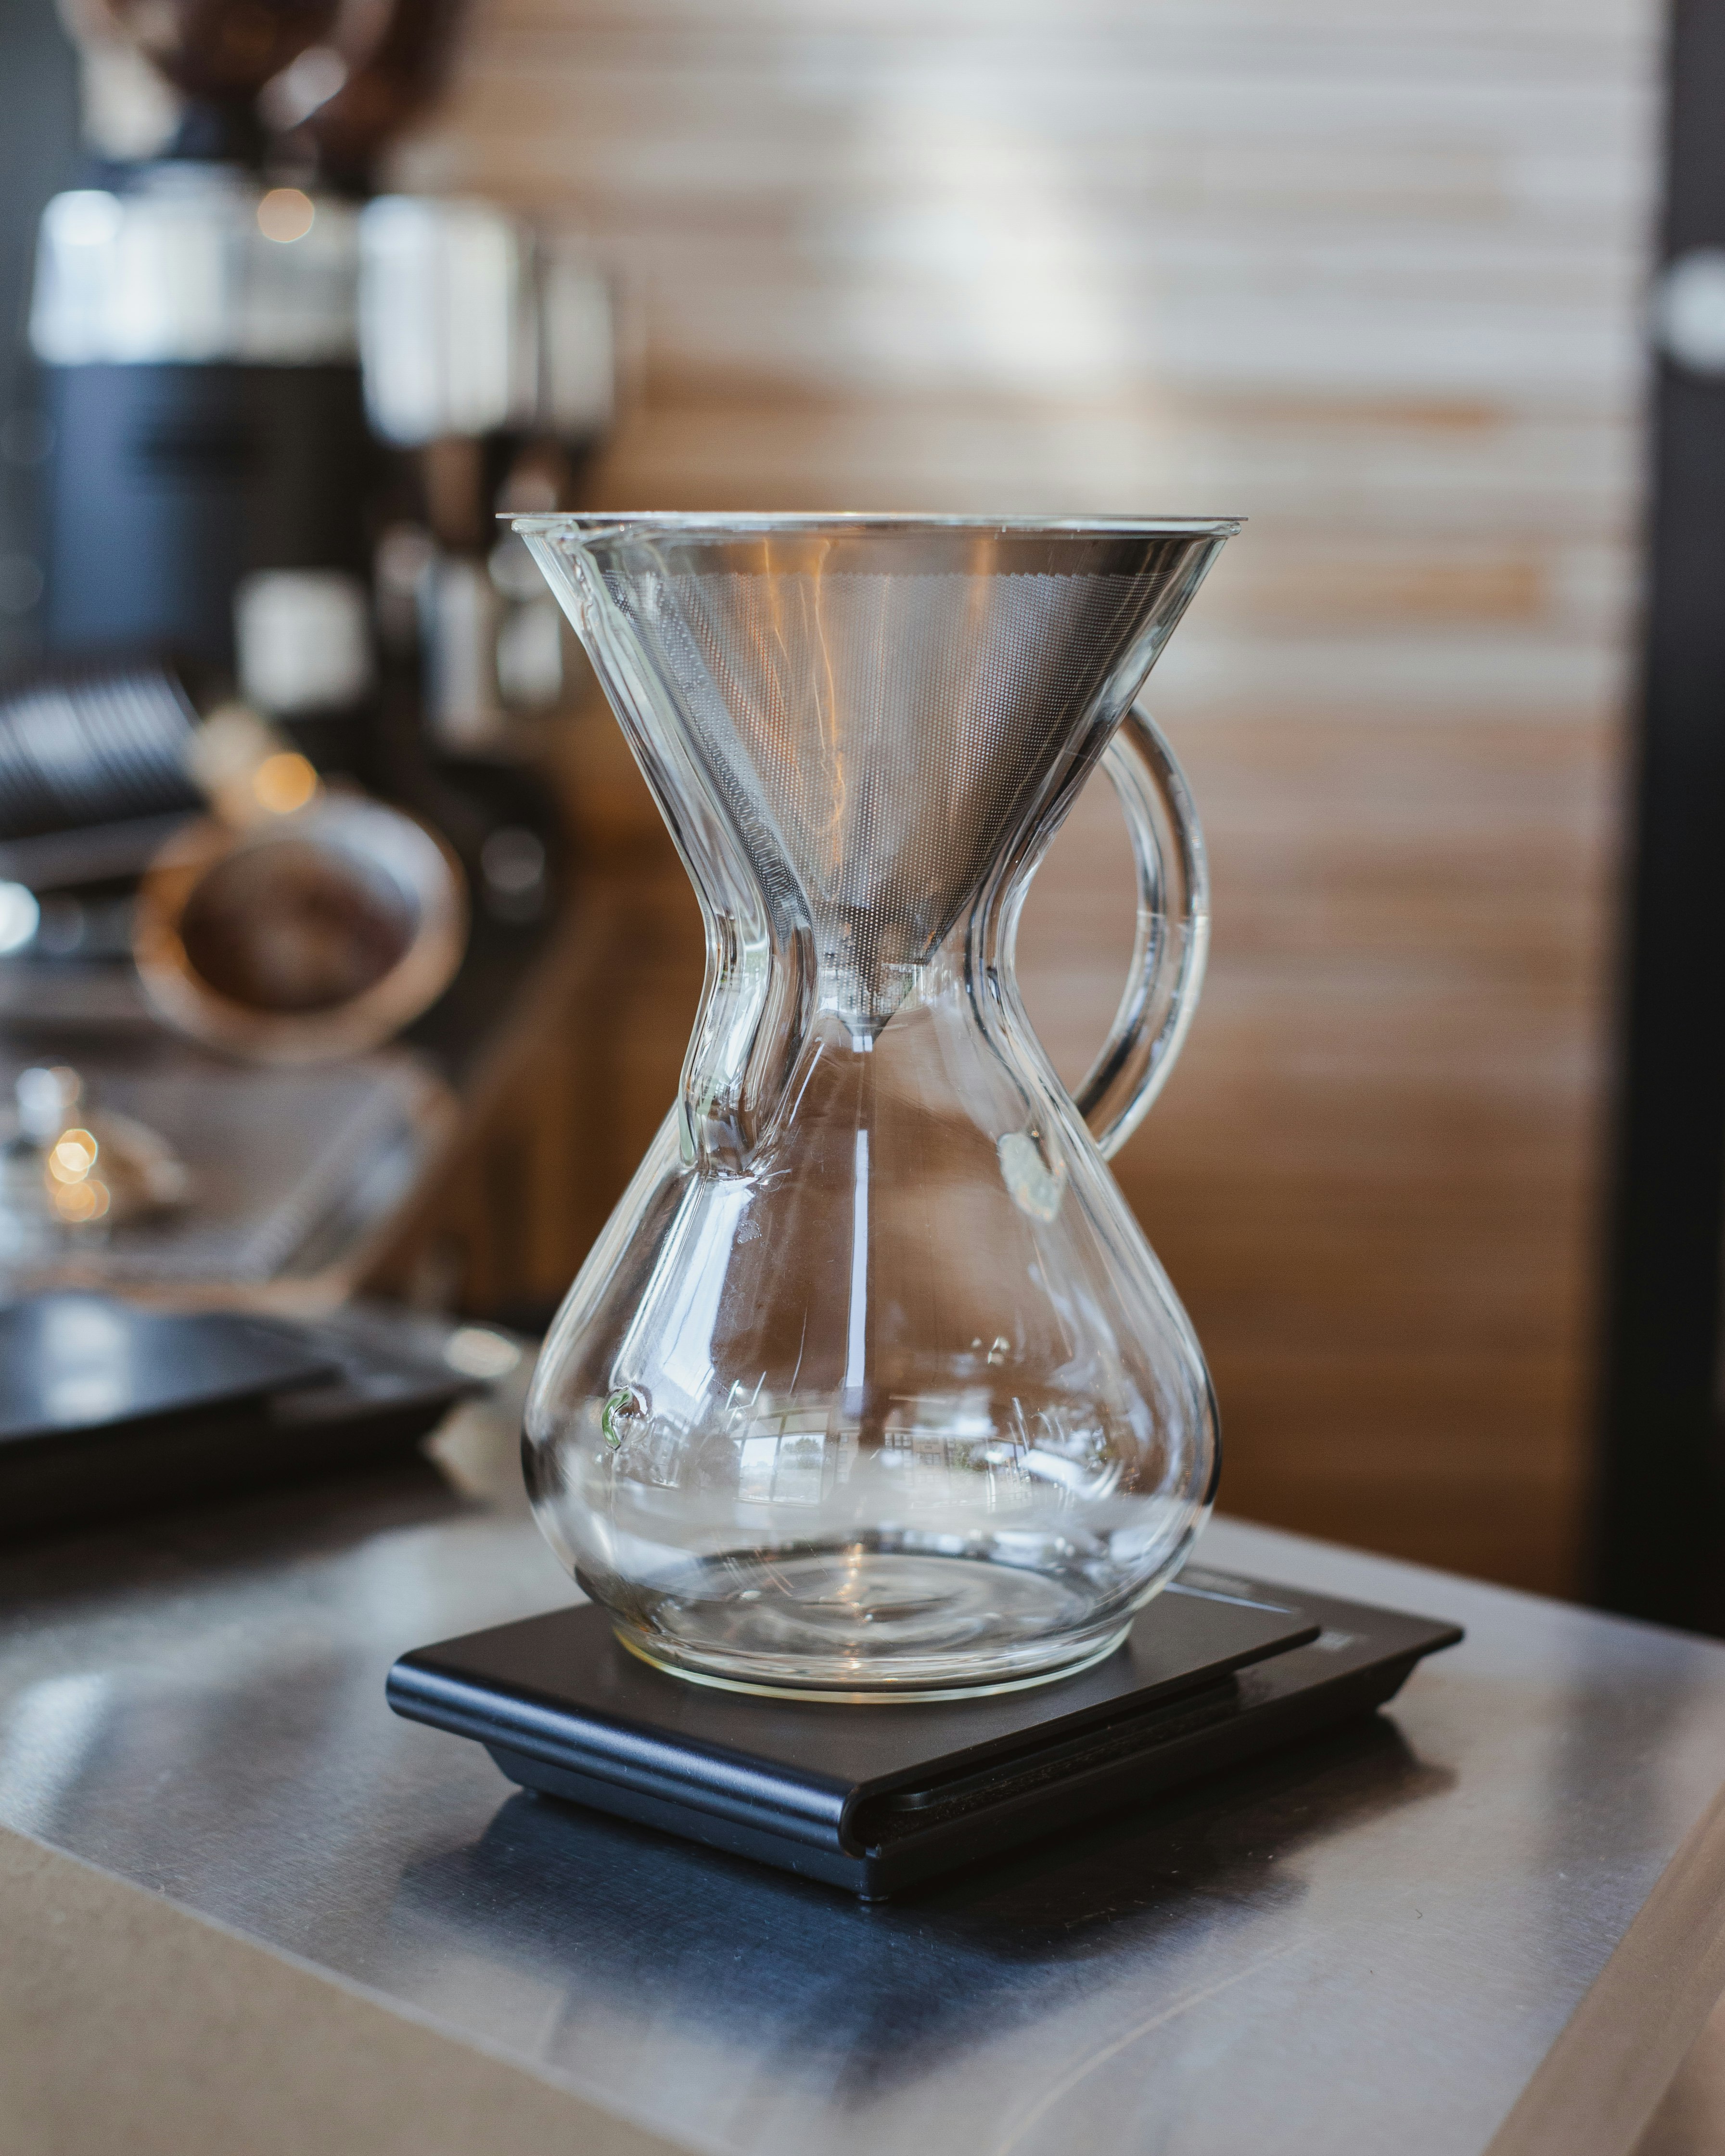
(1173, 934)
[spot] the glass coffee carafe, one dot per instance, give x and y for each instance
(872, 1386)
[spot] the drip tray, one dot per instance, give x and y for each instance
(876, 1798)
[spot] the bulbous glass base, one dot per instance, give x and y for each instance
(857, 1621)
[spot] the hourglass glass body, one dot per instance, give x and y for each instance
(872, 1387)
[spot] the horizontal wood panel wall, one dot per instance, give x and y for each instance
(1368, 273)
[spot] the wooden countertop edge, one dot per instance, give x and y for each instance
(1601, 2081)
(127, 2021)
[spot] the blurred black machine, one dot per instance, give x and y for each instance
(108, 1410)
(270, 797)
(217, 322)
(284, 414)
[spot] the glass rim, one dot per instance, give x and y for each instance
(592, 524)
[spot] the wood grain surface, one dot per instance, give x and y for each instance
(1368, 275)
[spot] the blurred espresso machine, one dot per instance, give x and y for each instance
(218, 323)
(487, 359)
(276, 768)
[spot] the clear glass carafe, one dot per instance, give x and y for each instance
(872, 1385)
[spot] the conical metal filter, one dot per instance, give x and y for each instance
(878, 736)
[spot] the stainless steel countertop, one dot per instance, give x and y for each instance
(1369, 1944)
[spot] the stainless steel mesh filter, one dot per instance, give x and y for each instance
(876, 737)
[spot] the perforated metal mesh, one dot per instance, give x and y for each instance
(878, 738)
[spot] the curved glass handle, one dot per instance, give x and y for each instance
(1172, 935)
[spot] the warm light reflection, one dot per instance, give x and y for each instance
(284, 782)
(79, 1202)
(73, 1156)
(285, 213)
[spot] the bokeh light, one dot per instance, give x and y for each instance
(283, 782)
(286, 214)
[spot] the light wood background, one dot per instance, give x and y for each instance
(1365, 271)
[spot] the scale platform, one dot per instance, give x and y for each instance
(876, 1798)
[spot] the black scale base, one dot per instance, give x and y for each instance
(876, 1798)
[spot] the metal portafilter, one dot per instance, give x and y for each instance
(290, 922)
(294, 924)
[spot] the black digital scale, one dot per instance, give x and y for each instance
(108, 1409)
(876, 1798)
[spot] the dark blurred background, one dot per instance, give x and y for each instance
(39, 154)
